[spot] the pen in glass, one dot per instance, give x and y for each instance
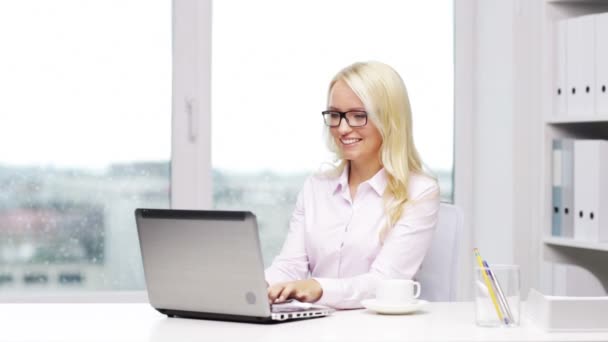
(488, 285)
(501, 297)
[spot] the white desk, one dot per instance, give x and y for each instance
(139, 322)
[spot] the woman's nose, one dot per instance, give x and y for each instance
(343, 128)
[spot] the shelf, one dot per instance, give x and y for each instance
(601, 2)
(591, 256)
(564, 251)
(577, 120)
(569, 242)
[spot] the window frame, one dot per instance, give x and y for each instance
(190, 138)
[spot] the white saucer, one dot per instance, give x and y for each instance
(393, 309)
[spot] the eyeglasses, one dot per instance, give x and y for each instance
(333, 118)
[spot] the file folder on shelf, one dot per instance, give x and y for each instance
(556, 189)
(591, 190)
(562, 221)
(560, 94)
(573, 64)
(580, 66)
(601, 64)
(567, 188)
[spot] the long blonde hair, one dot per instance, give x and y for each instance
(385, 98)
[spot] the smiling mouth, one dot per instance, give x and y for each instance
(350, 141)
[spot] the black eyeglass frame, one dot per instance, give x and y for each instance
(343, 116)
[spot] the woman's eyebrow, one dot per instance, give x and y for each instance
(355, 109)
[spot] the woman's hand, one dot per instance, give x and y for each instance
(308, 290)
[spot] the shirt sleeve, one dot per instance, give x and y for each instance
(292, 262)
(399, 258)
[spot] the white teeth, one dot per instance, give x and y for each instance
(349, 141)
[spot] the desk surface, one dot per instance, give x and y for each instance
(140, 322)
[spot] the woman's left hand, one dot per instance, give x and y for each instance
(308, 290)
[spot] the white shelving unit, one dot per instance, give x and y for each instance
(571, 243)
(590, 256)
(566, 120)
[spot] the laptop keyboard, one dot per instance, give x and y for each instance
(294, 306)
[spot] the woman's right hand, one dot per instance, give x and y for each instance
(308, 290)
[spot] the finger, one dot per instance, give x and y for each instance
(308, 291)
(273, 296)
(274, 292)
(302, 296)
(287, 292)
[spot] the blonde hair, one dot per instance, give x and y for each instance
(385, 98)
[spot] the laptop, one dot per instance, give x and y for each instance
(208, 264)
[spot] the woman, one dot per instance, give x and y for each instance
(374, 216)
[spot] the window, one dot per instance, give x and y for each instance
(272, 62)
(85, 138)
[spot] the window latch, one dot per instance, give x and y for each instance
(192, 115)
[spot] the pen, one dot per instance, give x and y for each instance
(501, 296)
(489, 285)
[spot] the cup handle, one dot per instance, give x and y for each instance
(417, 292)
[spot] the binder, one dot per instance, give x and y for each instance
(588, 67)
(601, 60)
(580, 66)
(583, 187)
(600, 205)
(556, 189)
(573, 66)
(560, 92)
(591, 190)
(567, 188)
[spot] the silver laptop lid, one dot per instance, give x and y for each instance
(203, 261)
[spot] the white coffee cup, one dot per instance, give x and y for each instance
(397, 291)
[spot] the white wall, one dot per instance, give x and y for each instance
(464, 75)
(505, 135)
(527, 140)
(493, 131)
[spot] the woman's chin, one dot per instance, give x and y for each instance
(350, 156)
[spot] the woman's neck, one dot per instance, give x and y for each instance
(360, 172)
